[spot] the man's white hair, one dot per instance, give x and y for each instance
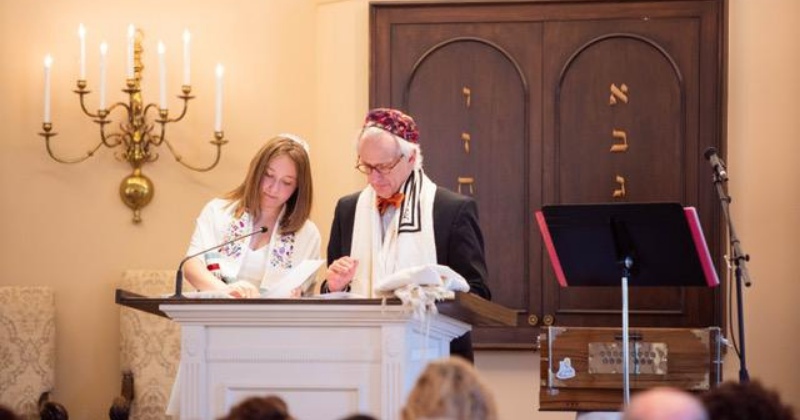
(406, 147)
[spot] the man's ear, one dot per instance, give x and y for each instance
(413, 157)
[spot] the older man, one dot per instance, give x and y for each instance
(401, 219)
(665, 404)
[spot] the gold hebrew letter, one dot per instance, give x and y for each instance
(619, 192)
(618, 94)
(467, 138)
(467, 92)
(619, 147)
(466, 180)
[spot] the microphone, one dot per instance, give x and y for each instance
(179, 274)
(716, 163)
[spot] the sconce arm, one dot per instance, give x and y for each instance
(218, 141)
(105, 138)
(89, 153)
(119, 104)
(148, 107)
(157, 140)
(186, 99)
(81, 93)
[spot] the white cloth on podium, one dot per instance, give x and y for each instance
(420, 287)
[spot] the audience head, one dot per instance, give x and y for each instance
(450, 389)
(388, 150)
(359, 417)
(120, 409)
(50, 410)
(260, 408)
(665, 404)
(279, 174)
(745, 401)
(7, 414)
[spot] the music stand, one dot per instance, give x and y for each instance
(649, 244)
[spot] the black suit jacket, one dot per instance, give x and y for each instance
(459, 244)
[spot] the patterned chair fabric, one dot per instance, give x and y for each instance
(150, 346)
(27, 347)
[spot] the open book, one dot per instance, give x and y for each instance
(300, 276)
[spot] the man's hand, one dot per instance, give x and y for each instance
(297, 292)
(341, 273)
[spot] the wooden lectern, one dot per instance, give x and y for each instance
(326, 358)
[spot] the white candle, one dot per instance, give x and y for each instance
(218, 113)
(103, 53)
(131, 37)
(187, 40)
(82, 37)
(162, 76)
(48, 61)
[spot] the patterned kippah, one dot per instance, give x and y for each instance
(394, 122)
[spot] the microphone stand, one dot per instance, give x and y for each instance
(179, 275)
(739, 259)
(626, 254)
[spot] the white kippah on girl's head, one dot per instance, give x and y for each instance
(297, 139)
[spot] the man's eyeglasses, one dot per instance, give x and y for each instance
(381, 168)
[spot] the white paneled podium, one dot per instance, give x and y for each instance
(326, 358)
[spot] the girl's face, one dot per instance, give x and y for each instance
(279, 182)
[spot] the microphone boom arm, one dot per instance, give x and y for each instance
(179, 275)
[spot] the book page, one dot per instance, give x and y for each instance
(295, 278)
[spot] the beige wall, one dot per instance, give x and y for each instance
(763, 141)
(64, 226)
(302, 66)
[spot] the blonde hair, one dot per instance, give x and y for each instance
(247, 196)
(451, 389)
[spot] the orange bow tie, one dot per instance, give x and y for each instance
(394, 200)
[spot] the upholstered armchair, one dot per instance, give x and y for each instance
(27, 347)
(149, 345)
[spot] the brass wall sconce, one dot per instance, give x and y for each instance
(139, 131)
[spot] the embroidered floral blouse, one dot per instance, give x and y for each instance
(217, 224)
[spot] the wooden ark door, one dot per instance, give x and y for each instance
(525, 104)
(472, 142)
(621, 125)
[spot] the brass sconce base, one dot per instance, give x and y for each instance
(136, 191)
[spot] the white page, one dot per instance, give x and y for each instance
(295, 278)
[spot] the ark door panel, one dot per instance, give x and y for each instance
(470, 89)
(621, 125)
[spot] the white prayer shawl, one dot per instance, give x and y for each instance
(217, 224)
(409, 240)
